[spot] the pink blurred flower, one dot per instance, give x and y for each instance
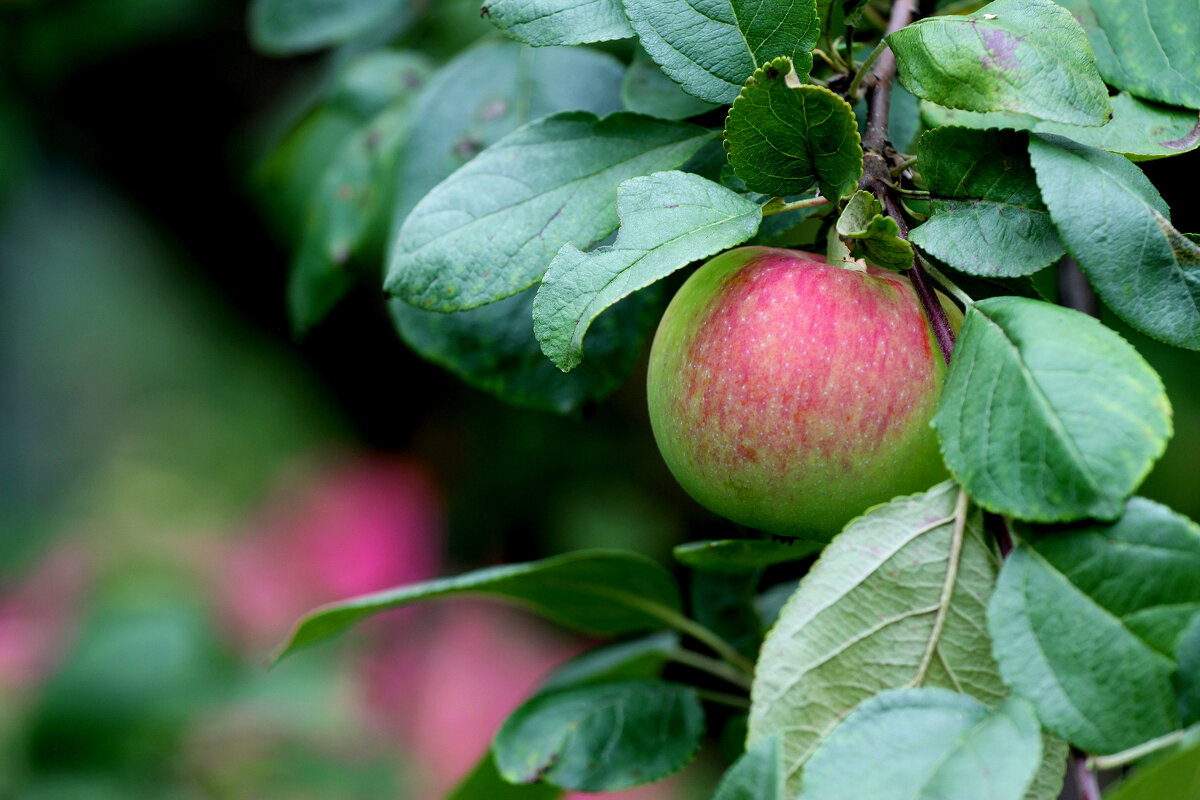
(37, 616)
(359, 527)
(445, 688)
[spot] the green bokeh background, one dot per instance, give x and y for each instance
(152, 401)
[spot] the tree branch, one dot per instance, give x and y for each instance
(1074, 291)
(878, 161)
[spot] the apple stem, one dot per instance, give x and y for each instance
(878, 158)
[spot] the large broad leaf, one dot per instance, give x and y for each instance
(668, 220)
(710, 48)
(601, 737)
(1139, 129)
(493, 348)
(897, 599)
(989, 219)
(1086, 620)
(489, 91)
(1118, 228)
(757, 775)
(490, 230)
(596, 592)
(927, 743)
(783, 136)
(543, 22)
(863, 223)
(647, 90)
(283, 27)
(1175, 776)
(1187, 676)
(1145, 46)
(485, 783)
(1046, 414)
(1027, 56)
(737, 555)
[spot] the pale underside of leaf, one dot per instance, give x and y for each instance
(891, 603)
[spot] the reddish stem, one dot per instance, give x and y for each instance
(1085, 780)
(877, 154)
(920, 281)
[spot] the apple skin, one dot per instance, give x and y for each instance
(790, 395)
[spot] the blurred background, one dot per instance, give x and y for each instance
(181, 477)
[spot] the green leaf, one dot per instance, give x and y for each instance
(757, 775)
(370, 83)
(485, 783)
(647, 90)
(490, 230)
(644, 657)
(594, 591)
(927, 743)
(1026, 56)
(668, 220)
(486, 93)
(1118, 228)
(1046, 414)
(904, 119)
(897, 599)
(493, 348)
(284, 27)
(989, 219)
(784, 136)
(287, 178)
(724, 602)
(1139, 129)
(543, 22)
(1175, 776)
(316, 283)
(601, 737)
(1085, 622)
(349, 205)
(770, 603)
(711, 49)
(832, 16)
(737, 555)
(1187, 677)
(1145, 46)
(863, 221)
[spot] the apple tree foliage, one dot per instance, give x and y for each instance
(521, 203)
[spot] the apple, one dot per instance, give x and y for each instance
(790, 395)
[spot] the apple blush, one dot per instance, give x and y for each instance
(790, 395)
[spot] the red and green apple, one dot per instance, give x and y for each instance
(790, 395)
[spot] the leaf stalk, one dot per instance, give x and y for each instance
(778, 206)
(865, 69)
(718, 669)
(1135, 753)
